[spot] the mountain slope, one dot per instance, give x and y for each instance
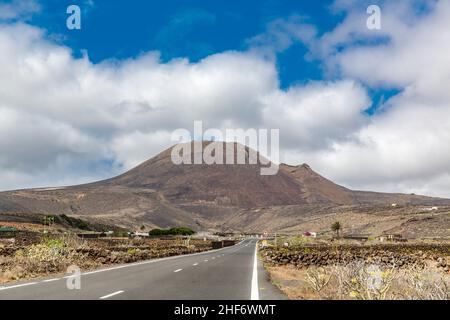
(159, 193)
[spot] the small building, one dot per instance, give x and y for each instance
(391, 238)
(140, 234)
(431, 209)
(309, 234)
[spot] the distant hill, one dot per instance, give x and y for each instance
(158, 193)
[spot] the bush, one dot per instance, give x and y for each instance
(132, 251)
(120, 234)
(74, 222)
(171, 232)
(51, 255)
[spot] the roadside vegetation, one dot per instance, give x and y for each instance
(358, 281)
(55, 253)
(305, 268)
(172, 232)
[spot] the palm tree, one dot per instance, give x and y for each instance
(336, 227)
(48, 220)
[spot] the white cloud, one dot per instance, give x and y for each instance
(66, 120)
(18, 9)
(318, 114)
(280, 34)
(64, 117)
(405, 147)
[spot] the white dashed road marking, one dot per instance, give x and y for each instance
(111, 294)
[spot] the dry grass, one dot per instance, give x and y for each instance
(49, 256)
(52, 256)
(358, 281)
(34, 227)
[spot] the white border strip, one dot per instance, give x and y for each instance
(18, 286)
(123, 266)
(111, 295)
(255, 288)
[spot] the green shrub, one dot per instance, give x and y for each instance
(74, 222)
(132, 251)
(120, 234)
(54, 243)
(173, 231)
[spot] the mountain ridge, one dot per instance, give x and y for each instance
(158, 193)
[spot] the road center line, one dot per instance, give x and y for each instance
(195, 264)
(206, 260)
(255, 289)
(178, 270)
(157, 260)
(111, 294)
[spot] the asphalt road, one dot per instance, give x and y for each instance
(231, 273)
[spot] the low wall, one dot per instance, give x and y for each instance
(399, 255)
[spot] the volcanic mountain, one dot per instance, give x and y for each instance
(159, 193)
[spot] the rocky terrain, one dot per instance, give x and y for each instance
(362, 272)
(161, 194)
(388, 255)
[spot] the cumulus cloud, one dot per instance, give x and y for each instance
(64, 117)
(281, 33)
(18, 9)
(314, 116)
(66, 120)
(404, 147)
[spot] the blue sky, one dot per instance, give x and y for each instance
(352, 102)
(123, 29)
(193, 29)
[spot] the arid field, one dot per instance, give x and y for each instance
(54, 254)
(369, 271)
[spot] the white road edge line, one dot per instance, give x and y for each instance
(129, 265)
(155, 260)
(255, 289)
(111, 294)
(18, 286)
(178, 270)
(51, 280)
